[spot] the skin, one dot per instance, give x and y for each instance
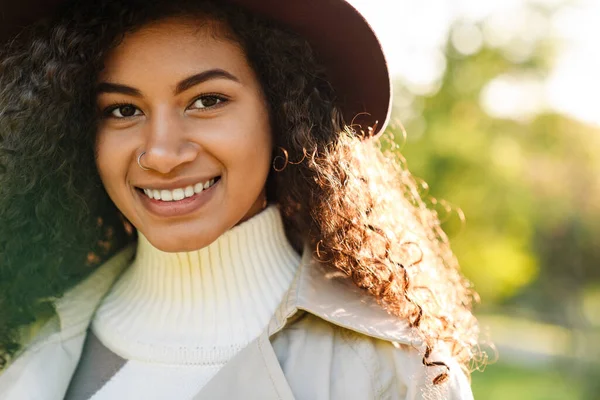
(186, 137)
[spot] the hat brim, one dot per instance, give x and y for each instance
(340, 36)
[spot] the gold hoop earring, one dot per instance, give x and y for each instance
(285, 160)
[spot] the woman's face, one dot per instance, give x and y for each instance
(185, 95)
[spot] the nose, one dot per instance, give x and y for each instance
(167, 146)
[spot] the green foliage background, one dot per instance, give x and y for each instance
(530, 190)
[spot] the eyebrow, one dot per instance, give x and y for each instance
(187, 83)
(203, 77)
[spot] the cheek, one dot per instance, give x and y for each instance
(102, 164)
(111, 163)
(252, 154)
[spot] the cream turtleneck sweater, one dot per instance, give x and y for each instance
(179, 317)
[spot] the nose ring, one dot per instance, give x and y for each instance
(140, 164)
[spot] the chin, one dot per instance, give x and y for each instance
(180, 243)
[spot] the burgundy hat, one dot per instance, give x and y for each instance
(342, 39)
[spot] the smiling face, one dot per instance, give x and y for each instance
(183, 94)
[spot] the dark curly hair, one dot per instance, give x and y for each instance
(357, 205)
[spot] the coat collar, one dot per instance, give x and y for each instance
(330, 296)
(325, 294)
(77, 306)
(333, 297)
(314, 290)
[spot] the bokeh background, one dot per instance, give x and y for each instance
(500, 103)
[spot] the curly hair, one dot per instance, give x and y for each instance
(355, 204)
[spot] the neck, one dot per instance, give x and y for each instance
(200, 306)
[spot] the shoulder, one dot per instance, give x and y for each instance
(329, 332)
(354, 365)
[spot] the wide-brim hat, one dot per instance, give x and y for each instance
(340, 36)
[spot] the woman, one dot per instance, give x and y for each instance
(190, 209)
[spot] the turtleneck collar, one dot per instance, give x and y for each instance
(199, 307)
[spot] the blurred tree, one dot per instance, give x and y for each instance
(529, 185)
(527, 179)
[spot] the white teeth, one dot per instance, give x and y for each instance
(166, 195)
(178, 194)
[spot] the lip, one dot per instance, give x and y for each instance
(181, 207)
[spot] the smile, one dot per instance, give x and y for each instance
(179, 193)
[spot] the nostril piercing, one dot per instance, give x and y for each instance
(140, 164)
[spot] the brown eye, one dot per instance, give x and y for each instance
(127, 111)
(122, 111)
(207, 101)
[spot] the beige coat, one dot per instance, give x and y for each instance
(326, 340)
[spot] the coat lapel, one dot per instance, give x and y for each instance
(331, 296)
(44, 368)
(253, 374)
